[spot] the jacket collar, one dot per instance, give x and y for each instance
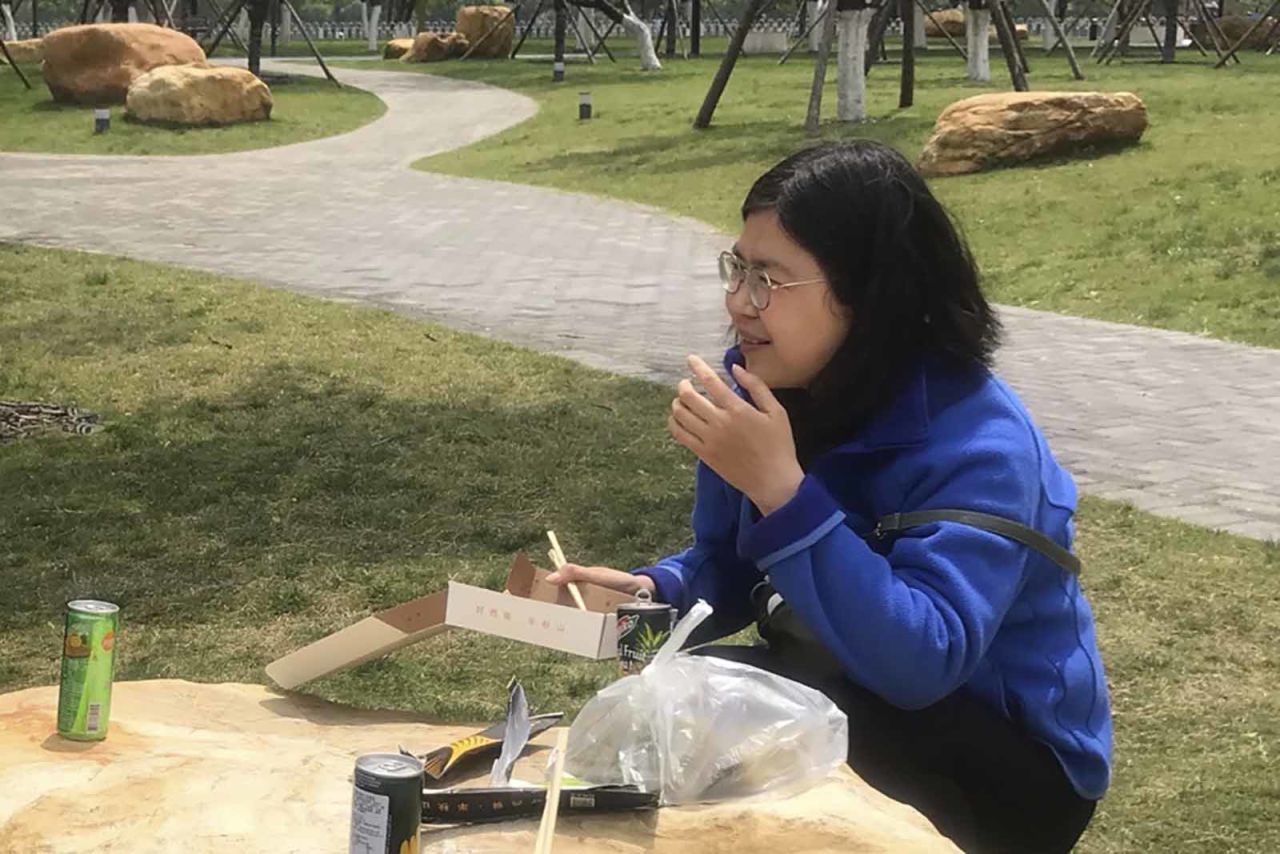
(903, 422)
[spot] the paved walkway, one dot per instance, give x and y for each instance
(1175, 424)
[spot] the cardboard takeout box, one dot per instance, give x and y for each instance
(531, 610)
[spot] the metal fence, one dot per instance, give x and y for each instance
(545, 28)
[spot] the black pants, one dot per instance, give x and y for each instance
(982, 782)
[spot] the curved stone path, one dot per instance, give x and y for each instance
(1173, 423)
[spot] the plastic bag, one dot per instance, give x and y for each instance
(697, 728)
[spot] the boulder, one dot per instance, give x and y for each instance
(96, 63)
(952, 21)
(199, 95)
(396, 48)
(949, 20)
(434, 47)
(230, 768)
(1234, 27)
(474, 21)
(1008, 127)
(25, 51)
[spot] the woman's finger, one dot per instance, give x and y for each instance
(683, 436)
(696, 403)
(760, 393)
(692, 424)
(614, 579)
(716, 387)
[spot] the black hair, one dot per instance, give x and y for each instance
(894, 260)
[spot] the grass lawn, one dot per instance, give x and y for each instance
(274, 467)
(1181, 232)
(305, 109)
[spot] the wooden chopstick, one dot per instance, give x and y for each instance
(558, 561)
(547, 829)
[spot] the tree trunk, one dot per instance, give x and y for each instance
(721, 80)
(373, 17)
(851, 81)
(977, 32)
(643, 36)
(557, 64)
(815, 34)
(907, 90)
(1170, 31)
(120, 11)
(10, 28)
(922, 39)
(632, 26)
(695, 28)
(257, 17)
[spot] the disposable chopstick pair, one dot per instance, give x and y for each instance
(558, 560)
(547, 829)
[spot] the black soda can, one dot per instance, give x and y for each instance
(386, 804)
(643, 627)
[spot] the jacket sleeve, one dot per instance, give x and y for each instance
(710, 569)
(910, 625)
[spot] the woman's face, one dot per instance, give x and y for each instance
(790, 341)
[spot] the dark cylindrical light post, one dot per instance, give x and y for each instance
(584, 105)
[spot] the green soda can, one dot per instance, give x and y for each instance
(88, 664)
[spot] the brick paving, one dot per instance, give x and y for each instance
(1175, 424)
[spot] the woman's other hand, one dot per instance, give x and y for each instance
(614, 579)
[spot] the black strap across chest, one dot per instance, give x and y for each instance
(1019, 533)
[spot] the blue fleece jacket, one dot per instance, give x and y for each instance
(937, 608)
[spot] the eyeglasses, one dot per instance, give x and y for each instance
(734, 271)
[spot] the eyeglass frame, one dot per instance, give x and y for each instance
(731, 260)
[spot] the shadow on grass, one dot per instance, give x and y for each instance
(297, 486)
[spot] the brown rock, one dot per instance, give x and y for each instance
(197, 95)
(25, 51)
(952, 21)
(434, 47)
(96, 63)
(474, 21)
(1234, 27)
(1008, 127)
(396, 48)
(231, 768)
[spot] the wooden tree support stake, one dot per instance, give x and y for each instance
(813, 118)
(955, 44)
(1007, 47)
(1060, 35)
(721, 80)
(297, 19)
(4, 48)
(493, 28)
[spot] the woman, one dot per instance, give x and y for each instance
(959, 643)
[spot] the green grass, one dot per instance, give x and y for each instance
(304, 109)
(298, 47)
(274, 467)
(1180, 232)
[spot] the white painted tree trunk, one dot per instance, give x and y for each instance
(922, 40)
(133, 14)
(851, 79)
(579, 27)
(10, 28)
(372, 16)
(815, 34)
(639, 31)
(286, 28)
(977, 33)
